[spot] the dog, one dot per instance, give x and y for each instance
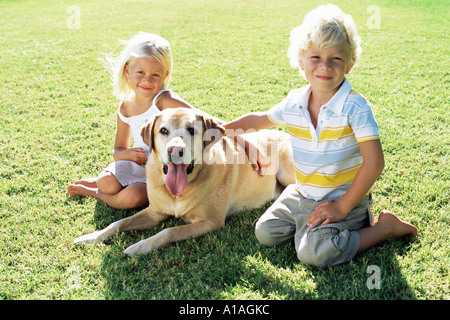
(197, 174)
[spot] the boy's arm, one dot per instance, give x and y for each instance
(250, 122)
(370, 170)
(172, 100)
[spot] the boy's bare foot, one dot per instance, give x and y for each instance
(396, 227)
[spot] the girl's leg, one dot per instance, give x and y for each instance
(106, 183)
(388, 226)
(131, 197)
(109, 190)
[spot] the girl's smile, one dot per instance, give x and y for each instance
(146, 77)
(144, 88)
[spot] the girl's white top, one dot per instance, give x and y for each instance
(138, 121)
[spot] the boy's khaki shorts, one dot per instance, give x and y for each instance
(320, 245)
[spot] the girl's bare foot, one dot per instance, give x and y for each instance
(395, 226)
(83, 187)
(81, 190)
(90, 182)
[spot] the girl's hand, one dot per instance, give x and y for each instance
(137, 155)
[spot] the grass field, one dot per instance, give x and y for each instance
(57, 124)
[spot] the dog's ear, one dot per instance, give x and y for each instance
(147, 132)
(213, 130)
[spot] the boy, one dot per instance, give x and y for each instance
(336, 147)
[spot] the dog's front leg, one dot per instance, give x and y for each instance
(100, 235)
(142, 220)
(170, 235)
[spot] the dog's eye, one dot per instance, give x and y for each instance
(191, 131)
(164, 131)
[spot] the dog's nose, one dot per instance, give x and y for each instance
(176, 151)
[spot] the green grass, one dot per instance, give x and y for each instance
(57, 124)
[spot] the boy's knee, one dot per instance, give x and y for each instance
(326, 247)
(262, 233)
(272, 233)
(314, 257)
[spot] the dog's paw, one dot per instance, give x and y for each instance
(142, 247)
(94, 237)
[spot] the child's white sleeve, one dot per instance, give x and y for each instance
(275, 114)
(364, 125)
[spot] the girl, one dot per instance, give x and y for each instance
(141, 75)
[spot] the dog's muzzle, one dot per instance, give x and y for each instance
(177, 177)
(189, 169)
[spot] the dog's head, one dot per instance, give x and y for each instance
(177, 138)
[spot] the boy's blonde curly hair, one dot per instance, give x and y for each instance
(324, 27)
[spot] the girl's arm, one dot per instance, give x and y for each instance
(370, 170)
(122, 149)
(170, 99)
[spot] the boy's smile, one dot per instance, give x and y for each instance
(325, 69)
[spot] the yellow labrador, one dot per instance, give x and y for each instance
(196, 174)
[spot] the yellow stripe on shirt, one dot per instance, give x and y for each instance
(327, 180)
(271, 120)
(368, 138)
(302, 133)
(357, 93)
(335, 133)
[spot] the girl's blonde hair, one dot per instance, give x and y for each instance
(141, 45)
(324, 27)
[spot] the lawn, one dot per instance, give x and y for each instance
(57, 124)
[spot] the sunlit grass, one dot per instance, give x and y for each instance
(57, 124)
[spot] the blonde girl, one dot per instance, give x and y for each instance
(141, 76)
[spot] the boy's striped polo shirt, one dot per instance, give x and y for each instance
(328, 157)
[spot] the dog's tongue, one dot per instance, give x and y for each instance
(176, 178)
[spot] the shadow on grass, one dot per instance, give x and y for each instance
(231, 264)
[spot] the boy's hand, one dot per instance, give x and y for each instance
(259, 162)
(257, 159)
(371, 168)
(327, 212)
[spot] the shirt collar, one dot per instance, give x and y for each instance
(336, 103)
(303, 101)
